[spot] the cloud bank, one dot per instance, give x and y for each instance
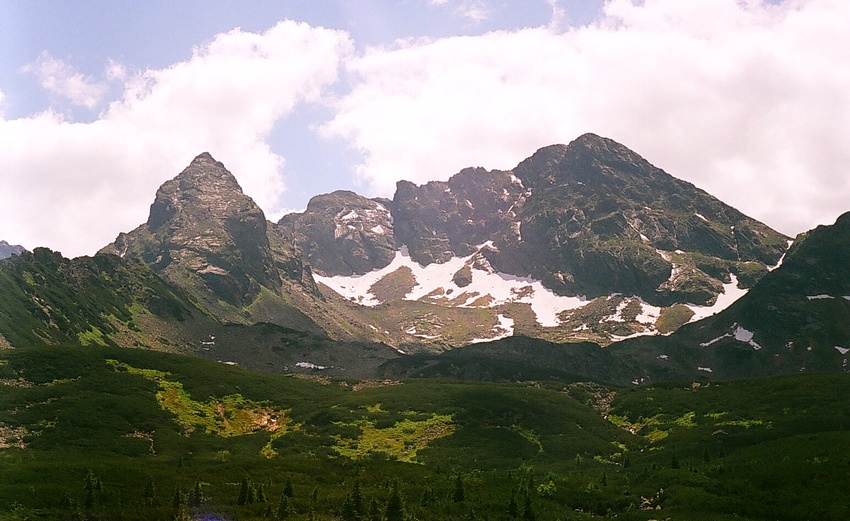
(748, 100)
(74, 186)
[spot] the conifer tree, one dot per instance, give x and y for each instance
(374, 510)
(89, 487)
(528, 510)
(349, 513)
(150, 490)
(244, 492)
(283, 508)
(357, 500)
(288, 489)
(674, 462)
(177, 499)
(459, 494)
(395, 504)
(513, 507)
(195, 495)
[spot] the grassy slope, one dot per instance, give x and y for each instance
(784, 442)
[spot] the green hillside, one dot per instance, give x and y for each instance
(110, 433)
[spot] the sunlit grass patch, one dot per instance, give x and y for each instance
(230, 415)
(401, 441)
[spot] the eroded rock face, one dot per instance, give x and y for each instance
(343, 233)
(439, 220)
(203, 229)
(602, 219)
(589, 218)
(7, 250)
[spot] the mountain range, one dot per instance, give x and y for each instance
(579, 247)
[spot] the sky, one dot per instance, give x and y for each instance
(101, 102)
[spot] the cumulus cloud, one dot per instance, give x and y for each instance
(474, 10)
(61, 79)
(748, 100)
(225, 99)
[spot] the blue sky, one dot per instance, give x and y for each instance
(101, 102)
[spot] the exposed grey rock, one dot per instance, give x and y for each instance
(343, 233)
(7, 250)
(203, 229)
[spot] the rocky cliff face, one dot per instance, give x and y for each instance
(586, 241)
(203, 231)
(7, 250)
(601, 219)
(589, 218)
(592, 221)
(343, 233)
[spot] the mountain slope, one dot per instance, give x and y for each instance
(796, 319)
(205, 235)
(137, 435)
(89, 300)
(589, 233)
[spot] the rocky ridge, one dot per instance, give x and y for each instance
(590, 220)
(579, 242)
(7, 250)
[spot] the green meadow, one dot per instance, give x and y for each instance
(101, 433)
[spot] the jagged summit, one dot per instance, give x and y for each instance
(7, 250)
(204, 230)
(591, 228)
(343, 233)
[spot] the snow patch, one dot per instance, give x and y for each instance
(504, 329)
(743, 335)
(706, 369)
(842, 350)
(309, 365)
(718, 339)
(731, 293)
(378, 230)
(501, 287)
(701, 216)
(349, 216)
(779, 263)
(740, 334)
(819, 297)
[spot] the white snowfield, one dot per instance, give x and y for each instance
(491, 289)
(740, 334)
(731, 293)
(503, 330)
(436, 279)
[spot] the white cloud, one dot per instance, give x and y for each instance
(474, 10)
(749, 101)
(74, 186)
(60, 78)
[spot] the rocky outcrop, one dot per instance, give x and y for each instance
(204, 231)
(343, 233)
(602, 219)
(7, 250)
(589, 218)
(440, 220)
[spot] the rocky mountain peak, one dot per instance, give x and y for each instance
(7, 250)
(343, 233)
(203, 230)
